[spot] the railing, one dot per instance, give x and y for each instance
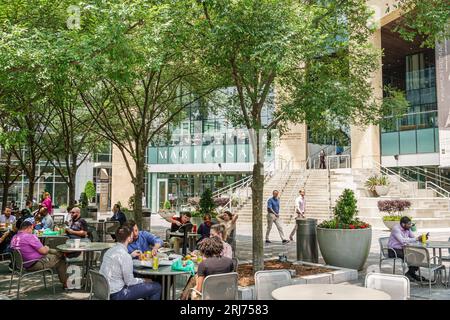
(430, 175)
(440, 191)
(341, 161)
(386, 171)
(296, 188)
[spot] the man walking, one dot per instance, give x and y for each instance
(273, 216)
(300, 210)
(322, 160)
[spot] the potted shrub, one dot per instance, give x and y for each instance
(344, 241)
(394, 210)
(377, 186)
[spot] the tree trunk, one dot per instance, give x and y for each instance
(72, 183)
(139, 184)
(5, 193)
(257, 223)
(31, 183)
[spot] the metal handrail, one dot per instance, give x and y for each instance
(339, 157)
(430, 175)
(220, 191)
(388, 171)
(313, 157)
(437, 189)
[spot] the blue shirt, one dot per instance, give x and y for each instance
(144, 241)
(274, 204)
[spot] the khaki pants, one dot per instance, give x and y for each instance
(271, 219)
(299, 215)
(52, 261)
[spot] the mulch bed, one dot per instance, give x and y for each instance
(246, 275)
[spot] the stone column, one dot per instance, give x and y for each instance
(121, 185)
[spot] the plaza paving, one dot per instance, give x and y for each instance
(33, 288)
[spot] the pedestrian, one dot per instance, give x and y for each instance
(322, 160)
(273, 216)
(47, 202)
(299, 210)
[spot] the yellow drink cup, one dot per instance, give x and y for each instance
(155, 263)
(424, 237)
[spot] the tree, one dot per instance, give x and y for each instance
(314, 55)
(206, 202)
(138, 75)
(89, 190)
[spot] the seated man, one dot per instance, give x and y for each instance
(142, 240)
(7, 217)
(400, 236)
(177, 225)
(205, 228)
(35, 255)
(117, 267)
(46, 219)
(78, 227)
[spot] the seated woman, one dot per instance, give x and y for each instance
(218, 230)
(213, 263)
(205, 227)
(229, 220)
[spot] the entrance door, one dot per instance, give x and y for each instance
(163, 188)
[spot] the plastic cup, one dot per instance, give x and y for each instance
(77, 243)
(424, 237)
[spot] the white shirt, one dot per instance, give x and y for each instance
(300, 204)
(117, 267)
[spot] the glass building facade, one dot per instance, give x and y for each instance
(203, 137)
(417, 131)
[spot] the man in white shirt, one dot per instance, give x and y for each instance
(117, 267)
(7, 217)
(299, 210)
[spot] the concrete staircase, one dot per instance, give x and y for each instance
(427, 209)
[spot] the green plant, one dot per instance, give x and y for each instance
(167, 205)
(131, 202)
(345, 213)
(89, 190)
(375, 180)
(207, 204)
(83, 200)
(196, 214)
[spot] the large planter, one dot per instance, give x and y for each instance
(382, 190)
(347, 248)
(390, 224)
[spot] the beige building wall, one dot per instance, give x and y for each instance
(292, 147)
(122, 187)
(366, 149)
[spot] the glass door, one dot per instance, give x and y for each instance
(163, 185)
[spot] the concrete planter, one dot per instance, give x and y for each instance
(347, 248)
(339, 275)
(382, 190)
(390, 224)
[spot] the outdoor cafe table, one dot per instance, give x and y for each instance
(87, 249)
(328, 292)
(191, 237)
(42, 237)
(432, 245)
(167, 278)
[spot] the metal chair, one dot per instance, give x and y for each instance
(58, 219)
(420, 257)
(235, 264)
(53, 242)
(447, 258)
(222, 286)
(110, 228)
(99, 286)
(384, 253)
(21, 272)
(396, 286)
(268, 280)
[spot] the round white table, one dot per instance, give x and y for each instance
(328, 292)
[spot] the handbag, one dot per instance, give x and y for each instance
(188, 266)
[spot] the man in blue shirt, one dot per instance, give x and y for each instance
(273, 216)
(118, 215)
(142, 240)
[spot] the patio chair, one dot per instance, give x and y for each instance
(384, 254)
(447, 258)
(53, 242)
(420, 257)
(396, 286)
(268, 280)
(110, 228)
(99, 286)
(235, 264)
(58, 219)
(21, 272)
(222, 286)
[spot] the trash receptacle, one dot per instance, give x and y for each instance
(146, 219)
(307, 247)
